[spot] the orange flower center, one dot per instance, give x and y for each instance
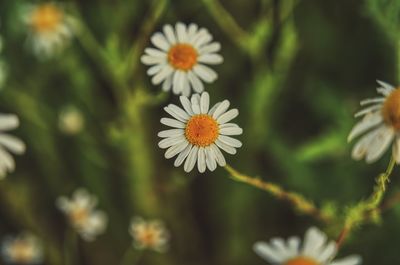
(46, 18)
(79, 216)
(301, 261)
(182, 56)
(202, 130)
(148, 238)
(391, 109)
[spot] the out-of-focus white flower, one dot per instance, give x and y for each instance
(3, 73)
(49, 30)
(380, 125)
(315, 250)
(9, 143)
(81, 213)
(22, 249)
(149, 234)
(199, 132)
(71, 121)
(180, 58)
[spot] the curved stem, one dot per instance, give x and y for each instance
(70, 247)
(300, 203)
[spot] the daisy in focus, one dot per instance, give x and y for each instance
(380, 125)
(180, 58)
(315, 250)
(9, 143)
(149, 234)
(81, 213)
(22, 249)
(199, 132)
(49, 30)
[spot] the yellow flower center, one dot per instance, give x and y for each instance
(148, 238)
(21, 252)
(391, 109)
(182, 56)
(202, 130)
(46, 18)
(301, 261)
(79, 216)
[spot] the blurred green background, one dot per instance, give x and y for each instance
(296, 70)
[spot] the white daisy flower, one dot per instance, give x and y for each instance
(380, 125)
(49, 30)
(9, 143)
(180, 58)
(22, 249)
(315, 250)
(71, 120)
(82, 215)
(149, 234)
(199, 132)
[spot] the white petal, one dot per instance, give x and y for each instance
(195, 100)
(179, 112)
(178, 82)
(170, 141)
(210, 159)
(228, 116)
(313, 242)
(351, 260)
(379, 144)
(227, 148)
(172, 123)
(174, 150)
(171, 133)
(205, 73)
(372, 100)
(192, 30)
(180, 29)
(203, 39)
(155, 69)
(368, 122)
(166, 86)
(231, 131)
(210, 48)
(368, 110)
(155, 53)
(191, 159)
(328, 252)
(169, 34)
(186, 105)
(267, 253)
(386, 88)
(12, 143)
(293, 245)
(201, 160)
(197, 85)
(210, 58)
(162, 75)
(218, 155)
(204, 102)
(230, 141)
(7, 160)
(8, 122)
(361, 147)
(221, 109)
(181, 157)
(280, 246)
(160, 41)
(214, 108)
(150, 60)
(185, 85)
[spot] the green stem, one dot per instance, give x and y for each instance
(300, 203)
(131, 257)
(70, 247)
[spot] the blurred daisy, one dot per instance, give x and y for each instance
(9, 143)
(80, 211)
(22, 249)
(380, 125)
(71, 120)
(180, 58)
(199, 132)
(49, 29)
(149, 234)
(315, 250)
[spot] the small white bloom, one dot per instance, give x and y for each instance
(71, 121)
(22, 249)
(82, 215)
(315, 250)
(9, 143)
(49, 30)
(180, 57)
(149, 234)
(380, 125)
(199, 132)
